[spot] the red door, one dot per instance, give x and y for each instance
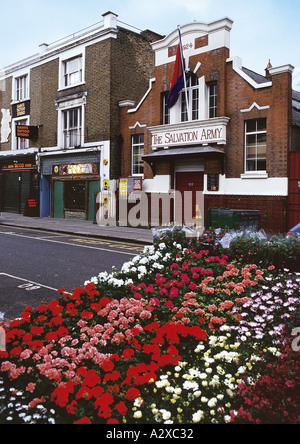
(294, 190)
(193, 182)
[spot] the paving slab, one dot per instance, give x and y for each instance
(80, 227)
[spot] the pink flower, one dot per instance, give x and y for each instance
(31, 387)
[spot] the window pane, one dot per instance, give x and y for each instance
(251, 126)
(251, 165)
(256, 145)
(261, 164)
(137, 154)
(261, 125)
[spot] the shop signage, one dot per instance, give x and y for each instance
(31, 208)
(77, 169)
(21, 109)
(130, 185)
(123, 189)
(27, 132)
(18, 166)
(105, 185)
(189, 135)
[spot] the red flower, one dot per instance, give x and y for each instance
(97, 392)
(42, 308)
(87, 315)
(128, 353)
(132, 394)
(57, 320)
(71, 408)
(91, 379)
(112, 421)
(121, 408)
(61, 394)
(112, 376)
(104, 302)
(174, 292)
(84, 393)
(36, 331)
(108, 366)
(90, 287)
(84, 420)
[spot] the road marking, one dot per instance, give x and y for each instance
(30, 284)
(66, 243)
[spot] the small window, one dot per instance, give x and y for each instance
(137, 154)
(72, 71)
(72, 127)
(213, 99)
(165, 110)
(190, 94)
(21, 88)
(256, 145)
(21, 143)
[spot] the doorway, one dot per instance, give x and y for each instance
(191, 181)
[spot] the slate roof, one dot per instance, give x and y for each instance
(258, 78)
(296, 108)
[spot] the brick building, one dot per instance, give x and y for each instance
(240, 141)
(60, 120)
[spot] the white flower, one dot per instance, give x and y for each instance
(212, 402)
(165, 414)
(199, 348)
(198, 416)
(138, 414)
(190, 385)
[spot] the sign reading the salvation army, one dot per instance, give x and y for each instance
(192, 133)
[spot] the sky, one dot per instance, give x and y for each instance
(262, 29)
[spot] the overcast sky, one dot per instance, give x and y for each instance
(262, 29)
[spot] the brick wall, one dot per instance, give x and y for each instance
(5, 100)
(241, 95)
(273, 209)
(43, 92)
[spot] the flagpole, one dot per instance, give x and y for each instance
(184, 75)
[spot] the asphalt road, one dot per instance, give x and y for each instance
(35, 264)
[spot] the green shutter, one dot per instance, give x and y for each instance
(94, 187)
(58, 212)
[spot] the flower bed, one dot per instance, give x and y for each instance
(175, 337)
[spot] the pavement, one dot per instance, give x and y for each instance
(78, 227)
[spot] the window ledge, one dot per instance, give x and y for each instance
(255, 175)
(63, 88)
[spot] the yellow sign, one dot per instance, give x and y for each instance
(105, 185)
(123, 187)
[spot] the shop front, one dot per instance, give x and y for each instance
(69, 185)
(20, 184)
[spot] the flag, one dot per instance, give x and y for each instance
(178, 76)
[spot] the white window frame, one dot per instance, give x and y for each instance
(72, 132)
(21, 77)
(69, 105)
(213, 108)
(190, 90)
(166, 112)
(17, 143)
(137, 146)
(254, 133)
(66, 62)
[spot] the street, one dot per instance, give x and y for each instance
(34, 264)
